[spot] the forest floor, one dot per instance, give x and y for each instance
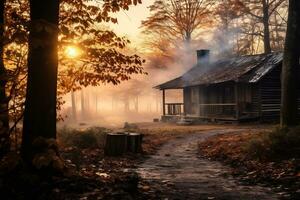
(170, 167)
(282, 175)
(210, 162)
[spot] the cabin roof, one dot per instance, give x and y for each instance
(249, 69)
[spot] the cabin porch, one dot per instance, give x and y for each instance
(219, 102)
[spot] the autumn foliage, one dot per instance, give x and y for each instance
(102, 59)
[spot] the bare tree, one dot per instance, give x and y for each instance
(261, 11)
(177, 19)
(226, 12)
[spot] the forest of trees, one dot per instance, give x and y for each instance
(36, 83)
(232, 27)
(35, 73)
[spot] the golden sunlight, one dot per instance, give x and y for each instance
(72, 51)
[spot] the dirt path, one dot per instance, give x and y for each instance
(179, 173)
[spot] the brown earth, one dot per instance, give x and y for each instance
(282, 175)
(176, 172)
(97, 177)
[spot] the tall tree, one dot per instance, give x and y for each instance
(40, 104)
(261, 10)
(290, 68)
(102, 62)
(74, 117)
(4, 123)
(177, 19)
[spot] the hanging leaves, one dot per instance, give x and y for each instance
(82, 24)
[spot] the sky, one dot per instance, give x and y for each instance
(130, 21)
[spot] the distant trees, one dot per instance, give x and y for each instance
(261, 11)
(226, 11)
(177, 20)
(252, 26)
(237, 27)
(101, 61)
(291, 67)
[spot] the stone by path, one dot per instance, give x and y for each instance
(180, 174)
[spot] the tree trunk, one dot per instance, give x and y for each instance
(96, 103)
(187, 42)
(82, 103)
(290, 68)
(277, 40)
(87, 102)
(136, 104)
(4, 123)
(73, 106)
(266, 16)
(126, 104)
(40, 105)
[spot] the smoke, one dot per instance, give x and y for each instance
(136, 100)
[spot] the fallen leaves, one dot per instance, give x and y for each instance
(281, 174)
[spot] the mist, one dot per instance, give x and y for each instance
(112, 105)
(136, 100)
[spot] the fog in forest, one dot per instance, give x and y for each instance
(131, 101)
(135, 100)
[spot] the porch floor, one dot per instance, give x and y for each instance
(209, 118)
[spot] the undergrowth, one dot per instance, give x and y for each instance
(281, 143)
(93, 137)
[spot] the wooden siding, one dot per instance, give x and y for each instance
(270, 95)
(187, 100)
(254, 100)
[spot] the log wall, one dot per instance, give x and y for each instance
(270, 95)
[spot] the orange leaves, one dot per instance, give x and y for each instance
(81, 24)
(102, 61)
(117, 5)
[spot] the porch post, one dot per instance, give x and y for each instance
(164, 102)
(237, 112)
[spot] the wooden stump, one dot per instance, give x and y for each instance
(116, 144)
(134, 142)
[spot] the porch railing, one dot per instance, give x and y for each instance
(174, 108)
(226, 110)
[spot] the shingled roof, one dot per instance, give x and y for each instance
(248, 69)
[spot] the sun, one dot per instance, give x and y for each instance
(72, 52)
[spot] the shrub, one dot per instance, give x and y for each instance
(278, 144)
(93, 137)
(257, 148)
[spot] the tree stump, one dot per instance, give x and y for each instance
(116, 144)
(134, 142)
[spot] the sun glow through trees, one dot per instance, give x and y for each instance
(72, 52)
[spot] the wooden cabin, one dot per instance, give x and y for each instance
(241, 88)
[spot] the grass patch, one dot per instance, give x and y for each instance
(93, 137)
(281, 143)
